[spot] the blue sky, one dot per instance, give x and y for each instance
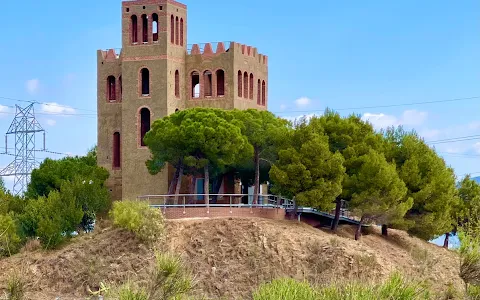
(337, 54)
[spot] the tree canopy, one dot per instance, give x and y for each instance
(307, 170)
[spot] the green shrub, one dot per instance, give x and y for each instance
(137, 217)
(286, 289)
(129, 292)
(169, 278)
(15, 286)
(10, 242)
(395, 288)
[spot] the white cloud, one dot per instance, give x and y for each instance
(297, 118)
(303, 102)
(476, 147)
(413, 117)
(32, 86)
(55, 109)
(380, 121)
(51, 122)
(408, 118)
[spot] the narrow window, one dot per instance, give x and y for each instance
(145, 28)
(144, 124)
(120, 84)
(220, 83)
(207, 79)
(177, 84)
(116, 150)
(259, 95)
(245, 85)
(177, 32)
(111, 87)
(239, 83)
(155, 27)
(172, 29)
(181, 31)
(145, 82)
(251, 86)
(134, 29)
(195, 84)
(263, 93)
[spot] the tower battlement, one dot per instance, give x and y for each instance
(212, 49)
(110, 54)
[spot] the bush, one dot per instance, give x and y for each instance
(395, 288)
(169, 279)
(10, 242)
(287, 289)
(137, 217)
(15, 286)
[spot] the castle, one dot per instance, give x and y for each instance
(155, 74)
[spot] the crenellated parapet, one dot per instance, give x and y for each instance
(209, 50)
(110, 54)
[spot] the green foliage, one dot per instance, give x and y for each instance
(15, 286)
(378, 194)
(51, 173)
(307, 170)
(469, 236)
(10, 240)
(287, 289)
(395, 287)
(168, 279)
(58, 217)
(429, 181)
(137, 217)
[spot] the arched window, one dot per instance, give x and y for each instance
(207, 83)
(259, 95)
(251, 86)
(195, 84)
(172, 29)
(245, 85)
(181, 31)
(116, 151)
(111, 88)
(134, 29)
(155, 27)
(220, 82)
(145, 28)
(144, 124)
(177, 32)
(177, 84)
(239, 83)
(145, 82)
(263, 93)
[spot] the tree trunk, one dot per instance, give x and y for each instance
(191, 188)
(217, 183)
(179, 182)
(358, 232)
(174, 180)
(256, 188)
(338, 206)
(445, 242)
(385, 230)
(206, 186)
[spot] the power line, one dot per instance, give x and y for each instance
(45, 103)
(384, 106)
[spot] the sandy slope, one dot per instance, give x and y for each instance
(230, 257)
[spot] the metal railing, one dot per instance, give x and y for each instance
(216, 200)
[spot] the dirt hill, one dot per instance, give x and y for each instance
(230, 257)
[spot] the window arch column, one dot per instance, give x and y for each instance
(144, 117)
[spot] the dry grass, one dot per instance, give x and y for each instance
(231, 257)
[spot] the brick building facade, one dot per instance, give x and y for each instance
(154, 74)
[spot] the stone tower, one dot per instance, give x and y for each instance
(154, 74)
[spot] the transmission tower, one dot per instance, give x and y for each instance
(24, 127)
